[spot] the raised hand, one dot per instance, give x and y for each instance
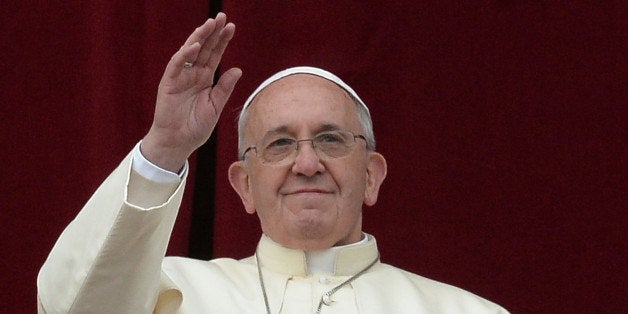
(188, 107)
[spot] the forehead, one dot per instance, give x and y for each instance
(301, 101)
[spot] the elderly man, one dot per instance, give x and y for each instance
(307, 165)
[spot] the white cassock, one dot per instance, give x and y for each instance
(110, 259)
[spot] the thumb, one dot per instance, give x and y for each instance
(221, 92)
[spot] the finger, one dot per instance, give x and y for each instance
(222, 91)
(179, 59)
(212, 40)
(216, 54)
(204, 31)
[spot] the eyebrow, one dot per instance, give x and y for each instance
(328, 127)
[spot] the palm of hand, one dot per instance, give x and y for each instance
(188, 107)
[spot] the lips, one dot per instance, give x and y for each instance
(304, 191)
(308, 191)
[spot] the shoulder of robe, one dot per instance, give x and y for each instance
(216, 267)
(440, 296)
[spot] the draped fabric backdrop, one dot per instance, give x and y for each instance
(500, 120)
(79, 80)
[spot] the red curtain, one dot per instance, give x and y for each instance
(500, 121)
(79, 81)
(501, 126)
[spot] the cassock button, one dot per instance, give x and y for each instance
(327, 299)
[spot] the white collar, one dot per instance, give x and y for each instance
(344, 260)
(323, 261)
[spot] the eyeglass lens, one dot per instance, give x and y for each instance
(334, 144)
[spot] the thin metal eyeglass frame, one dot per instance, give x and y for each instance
(297, 141)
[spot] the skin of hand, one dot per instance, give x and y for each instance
(188, 106)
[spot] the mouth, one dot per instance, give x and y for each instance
(309, 191)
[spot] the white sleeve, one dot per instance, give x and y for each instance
(108, 260)
(152, 172)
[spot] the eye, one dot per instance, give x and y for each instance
(330, 138)
(281, 142)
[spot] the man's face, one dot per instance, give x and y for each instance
(314, 202)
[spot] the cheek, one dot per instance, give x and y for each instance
(351, 182)
(265, 184)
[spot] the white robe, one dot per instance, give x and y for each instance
(110, 259)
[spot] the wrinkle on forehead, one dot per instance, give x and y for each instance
(323, 127)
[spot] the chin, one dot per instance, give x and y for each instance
(315, 244)
(314, 236)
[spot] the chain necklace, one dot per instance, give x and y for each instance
(326, 297)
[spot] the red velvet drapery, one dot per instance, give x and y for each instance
(79, 81)
(500, 121)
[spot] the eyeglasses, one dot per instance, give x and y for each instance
(275, 148)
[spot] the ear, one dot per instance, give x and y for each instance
(375, 174)
(239, 179)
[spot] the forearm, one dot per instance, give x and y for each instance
(109, 257)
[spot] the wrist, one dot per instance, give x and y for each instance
(163, 155)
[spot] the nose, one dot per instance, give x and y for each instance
(307, 161)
